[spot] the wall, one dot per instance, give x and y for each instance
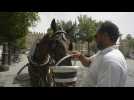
(33, 37)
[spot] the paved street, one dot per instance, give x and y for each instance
(130, 80)
(7, 79)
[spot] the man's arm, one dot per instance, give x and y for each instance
(84, 60)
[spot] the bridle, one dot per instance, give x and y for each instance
(37, 64)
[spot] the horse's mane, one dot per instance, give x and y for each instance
(39, 50)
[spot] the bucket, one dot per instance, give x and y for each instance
(65, 75)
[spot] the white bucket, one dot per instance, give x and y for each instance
(62, 69)
(65, 74)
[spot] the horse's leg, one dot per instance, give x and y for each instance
(33, 73)
(44, 76)
(38, 76)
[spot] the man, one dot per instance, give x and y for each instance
(108, 66)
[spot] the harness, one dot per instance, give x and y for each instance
(36, 64)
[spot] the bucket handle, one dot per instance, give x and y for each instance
(62, 59)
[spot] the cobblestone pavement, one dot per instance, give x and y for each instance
(7, 79)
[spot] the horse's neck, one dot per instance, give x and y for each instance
(38, 56)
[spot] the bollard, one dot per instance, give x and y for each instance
(4, 66)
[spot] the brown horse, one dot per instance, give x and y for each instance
(47, 52)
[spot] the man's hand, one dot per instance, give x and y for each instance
(76, 55)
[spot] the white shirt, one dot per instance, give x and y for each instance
(108, 68)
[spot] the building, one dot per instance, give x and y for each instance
(31, 38)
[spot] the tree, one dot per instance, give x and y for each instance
(129, 47)
(128, 37)
(130, 42)
(15, 27)
(88, 27)
(70, 27)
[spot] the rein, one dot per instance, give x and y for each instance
(36, 64)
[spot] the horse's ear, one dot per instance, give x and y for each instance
(53, 25)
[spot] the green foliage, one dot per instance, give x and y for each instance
(128, 46)
(70, 27)
(20, 43)
(128, 37)
(15, 25)
(131, 43)
(87, 26)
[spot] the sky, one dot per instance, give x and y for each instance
(124, 20)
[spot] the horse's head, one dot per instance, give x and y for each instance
(55, 46)
(60, 43)
(47, 52)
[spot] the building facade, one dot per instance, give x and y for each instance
(31, 38)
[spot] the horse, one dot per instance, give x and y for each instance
(47, 52)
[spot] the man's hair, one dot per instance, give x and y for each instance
(110, 29)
